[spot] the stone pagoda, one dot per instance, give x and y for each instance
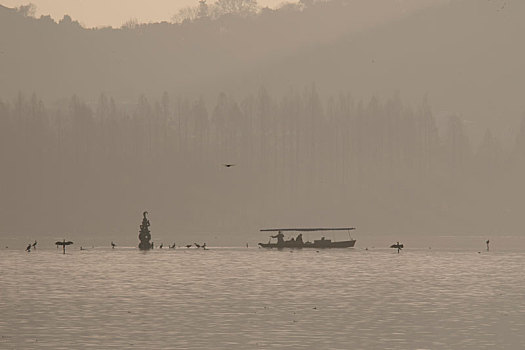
(144, 234)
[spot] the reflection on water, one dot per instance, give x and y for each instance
(257, 299)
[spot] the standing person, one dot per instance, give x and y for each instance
(280, 237)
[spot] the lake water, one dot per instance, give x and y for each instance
(249, 298)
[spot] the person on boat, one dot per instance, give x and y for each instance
(280, 237)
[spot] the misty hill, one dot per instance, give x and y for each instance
(56, 60)
(465, 56)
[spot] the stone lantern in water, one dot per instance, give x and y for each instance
(144, 234)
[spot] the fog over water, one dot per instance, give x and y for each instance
(396, 117)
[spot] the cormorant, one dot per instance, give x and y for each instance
(63, 244)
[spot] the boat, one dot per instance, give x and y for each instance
(298, 243)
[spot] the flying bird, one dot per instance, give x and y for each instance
(228, 165)
(188, 245)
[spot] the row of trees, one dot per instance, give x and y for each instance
(202, 10)
(216, 10)
(297, 129)
(242, 8)
(78, 156)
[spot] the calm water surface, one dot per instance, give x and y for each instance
(233, 298)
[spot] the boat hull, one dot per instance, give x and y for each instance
(320, 244)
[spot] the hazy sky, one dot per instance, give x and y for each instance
(94, 13)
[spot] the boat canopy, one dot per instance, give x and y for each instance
(309, 229)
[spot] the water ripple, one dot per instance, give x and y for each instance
(258, 299)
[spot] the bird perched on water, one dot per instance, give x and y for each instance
(172, 246)
(63, 244)
(34, 245)
(28, 249)
(197, 245)
(228, 165)
(113, 245)
(398, 246)
(188, 245)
